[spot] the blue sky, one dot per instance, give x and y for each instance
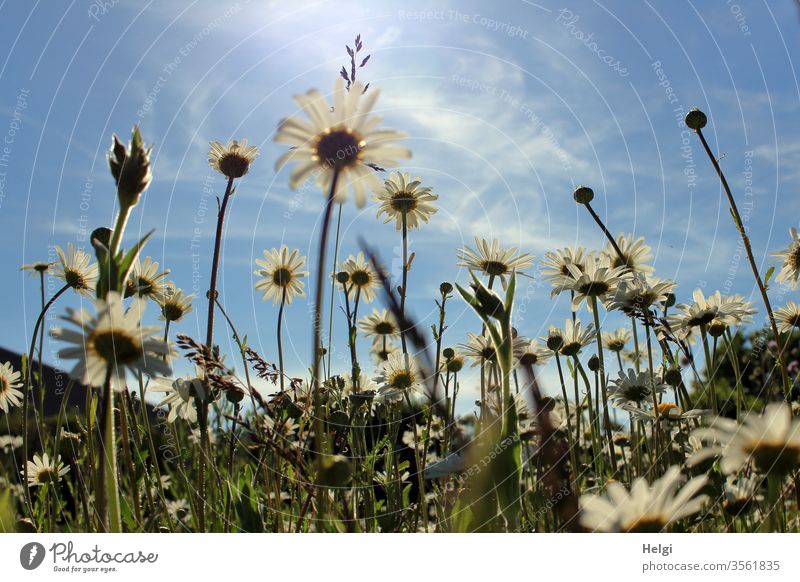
(508, 107)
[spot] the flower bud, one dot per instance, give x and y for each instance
(594, 363)
(342, 277)
(673, 376)
(490, 302)
(554, 342)
(696, 119)
(445, 288)
(130, 168)
(583, 195)
(234, 395)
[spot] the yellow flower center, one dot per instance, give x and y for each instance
(360, 278)
(401, 379)
(778, 457)
(339, 148)
(645, 524)
(404, 202)
(233, 164)
(282, 277)
(384, 328)
(74, 279)
(495, 268)
(172, 311)
(116, 347)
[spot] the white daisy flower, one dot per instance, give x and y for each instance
(739, 495)
(114, 340)
(9, 443)
(596, 280)
(645, 508)
(174, 306)
(636, 254)
(45, 471)
(9, 382)
(344, 139)
(634, 387)
(281, 274)
(573, 338)
(399, 375)
(480, 348)
(361, 278)
(144, 280)
(534, 354)
(76, 269)
(616, 340)
(36, 267)
(381, 350)
(665, 411)
(705, 310)
(492, 260)
(731, 310)
(365, 384)
(232, 160)
(556, 267)
(790, 256)
(788, 317)
(636, 293)
(402, 195)
(770, 440)
(379, 324)
(179, 396)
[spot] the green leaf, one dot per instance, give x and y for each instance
(768, 276)
(124, 265)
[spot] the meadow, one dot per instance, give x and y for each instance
(683, 420)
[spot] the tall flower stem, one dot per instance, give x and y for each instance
(204, 400)
(710, 370)
(405, 281)
(319, 437)
(733, 358)
(603, 384)
(737, 220)
(570, 438)
(26, 395)
(280, 339)
(333, 288)
(108, 490)
(41, 355)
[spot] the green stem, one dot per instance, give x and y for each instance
(333, 289)
(603, 387)
(320, 443)
(404, 283)
(280, 340)
(737, 219)
(204, 401)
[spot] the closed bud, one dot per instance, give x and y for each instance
(696, 119)
(448, 353)
(342, 277)
(583, 195)
(130, 168)
(490, 302)
(594, 363)
(100, 239)
(554, 342)
(234, 395)
(673, 376)
(445, 288)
